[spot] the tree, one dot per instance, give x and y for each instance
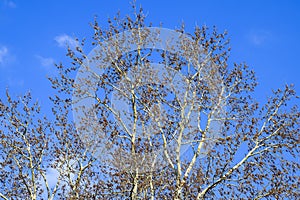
(185, 127)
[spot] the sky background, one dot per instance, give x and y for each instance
(33, 33)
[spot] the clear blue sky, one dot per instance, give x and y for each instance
(264, 34)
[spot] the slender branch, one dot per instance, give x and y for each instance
(235, 167)
(2, 196)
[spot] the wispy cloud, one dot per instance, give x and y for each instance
(15, 82)
(259, 37)
(66, 40)
(10, 4)
(52, 176)
(3, 54)
(6, 57)
(45, 62)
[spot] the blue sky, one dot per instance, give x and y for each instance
(264, 34)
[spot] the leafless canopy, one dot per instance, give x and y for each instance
(157, 116)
